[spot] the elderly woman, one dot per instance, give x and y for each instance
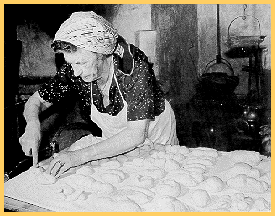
(117, 90)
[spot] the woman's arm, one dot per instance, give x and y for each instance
(34, 106)
(31, 137)
(131, 137)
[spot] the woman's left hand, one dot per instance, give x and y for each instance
(62, 162)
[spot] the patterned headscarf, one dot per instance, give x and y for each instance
(89, 31)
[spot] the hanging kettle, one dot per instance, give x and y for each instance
(218, 76)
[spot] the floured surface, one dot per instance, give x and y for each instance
(168, 179)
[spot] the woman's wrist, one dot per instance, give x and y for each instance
(76, 158)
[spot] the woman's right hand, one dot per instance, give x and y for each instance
(30, 140)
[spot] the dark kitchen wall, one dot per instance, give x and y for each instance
(177, 56)
(177, 51)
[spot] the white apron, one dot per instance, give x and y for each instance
(162, 130)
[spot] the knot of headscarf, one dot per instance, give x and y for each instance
(89, 31)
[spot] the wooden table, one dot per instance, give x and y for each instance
(15, 205)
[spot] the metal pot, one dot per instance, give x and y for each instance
(218, 79)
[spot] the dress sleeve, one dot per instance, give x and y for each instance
(144, 99)
(58, 87)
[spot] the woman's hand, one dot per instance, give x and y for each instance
(62, 162)
(30, 140)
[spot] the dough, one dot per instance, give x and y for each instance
(168, 188)
(106, 204)
(139, 189)
(199, 177)
(79, 181)
(247, 184)
(171, 164)
(143, 181)
(85, 170)
(45, 179)
(122, 158)
(136, 196)
(113, 164)
(223, 202)
(195, 165)
(165, 204)
(154, 173)
(250, 157)
(240, 168)
(111, 178)
(100, 188)
(205, 162)
(173, 149)
(184, 150)
(200, 198)
(159, 147)
(213, 184)
(120, 173)
(194, 169)
(178, 157)
(266, 178)
(138, 161)
(160, 162)
(127, 206)
(261, 204)
(241, 202)
(183, 178)
(75, 195)
(205, 152)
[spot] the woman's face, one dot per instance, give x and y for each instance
(84, 63)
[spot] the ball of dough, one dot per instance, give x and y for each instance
(174, 149)
(184, 150)
(160, 162)
(205, 152)
(127, 206)
(159, 147)
(78, 180)
(145, 181)
(183, 178)
(111, 178)
(122, 158)
(167, 204)
(213, 184)
(200, 198)
(85, 170)
(168, 188)
(171, 164)
(139, 197)
(100, 188)
(244, 183)
(138, 161)
(45, 178)
(240, 168)
(250, 157)
(178, 157)
(266, 178)
(261, 204)
(111, 164)
(198, 177)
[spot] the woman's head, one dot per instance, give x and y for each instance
(86, 64)
(86, 39)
